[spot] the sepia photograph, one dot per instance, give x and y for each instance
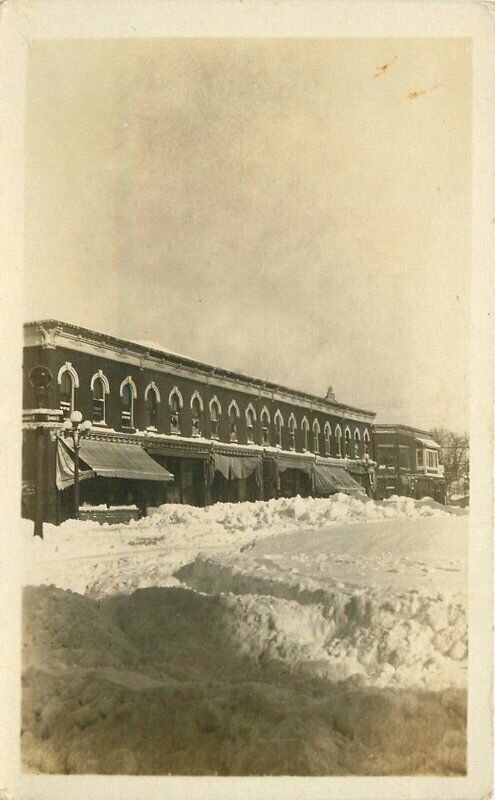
(245, 508)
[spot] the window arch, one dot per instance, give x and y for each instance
(196, 413)
(347, 438)
(99, 388)
(366, 440)
(265, 426)
(250, 422)
(215, 413)
(292, 432)
(327, 433)
(338, 438)
(305, 430)
(279, 424)
(175, 403)
(316, 436)
(152, 398)
(234, 415)
(128, 394)
(357, 441)
(68, 380)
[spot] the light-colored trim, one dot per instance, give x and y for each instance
(265, 412)
(366, 436)
(304, 424)
(348, 431)
(327, 430)
(316, 426)
(175, 390)
(196, 396)
(101, 375)
(233, 405)
(338, 431)
(63, 338)
(358, 437)
(153, 386)
(294, 421)
(128, 381)
(278, 416)
(215, 401)
(67, 367)
(251, 408)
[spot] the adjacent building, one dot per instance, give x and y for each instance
(166, 428)
(407, 463)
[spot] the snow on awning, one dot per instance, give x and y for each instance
(427, 443)
(330, 480)
(304, 464)
(64, 467)
(115, 460)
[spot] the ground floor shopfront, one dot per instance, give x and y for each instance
(145, 471)
(409, 484)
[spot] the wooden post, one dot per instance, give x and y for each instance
(40, 474)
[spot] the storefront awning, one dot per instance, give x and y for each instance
(109, 460)
(176, 452)
(235, 466)
(330, 480)
(304, 464)
(427, 443)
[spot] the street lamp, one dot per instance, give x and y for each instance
(368, 464)
(76, 429)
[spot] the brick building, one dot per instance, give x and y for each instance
(407, 463)
(166, 428)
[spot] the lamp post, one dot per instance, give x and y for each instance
(75, 429)
(368, 464)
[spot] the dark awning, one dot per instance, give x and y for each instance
(304, 464)
(236, 466)
(116, 460)
(330, 480)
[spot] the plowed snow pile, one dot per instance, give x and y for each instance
(283, 637)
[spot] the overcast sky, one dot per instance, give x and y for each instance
(269, 206)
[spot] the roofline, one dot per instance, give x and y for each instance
(220, 371)
(396, 426)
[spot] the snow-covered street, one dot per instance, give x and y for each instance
(315, 636)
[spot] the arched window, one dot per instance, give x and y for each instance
(338, 439)
(265, 427)
(316, 436)
(99, 389)
(279, 424)
(128, 394)
(292, 432)
(305, 431)
(357, 439)
(327, 432)
(68, 381)
(233, 420)
(196, 413)
(366, 440)
(175, 403)
(250, 421)
(215, 412)
(98, 401)
(151, 408)
(347, 443)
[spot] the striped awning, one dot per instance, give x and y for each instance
(330, 480)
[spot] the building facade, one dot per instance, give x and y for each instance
(407, 463)
(166, 428)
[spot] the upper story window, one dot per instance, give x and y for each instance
(348, 443)
(279, 423)
(420, 457)
(292, 432)
(196, 413)
(357, 441)
(305, 433)
(366, 442)
(215, 412)
(338, 439)
(265, 427)
(152, 398)
(431, 459)
(68, 381)
(176, 403)
(316, 436)
(99, 388)
(250, 422)
(327, 432)
(233, 420)
(128, 394)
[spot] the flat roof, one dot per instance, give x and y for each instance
(191, 362)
